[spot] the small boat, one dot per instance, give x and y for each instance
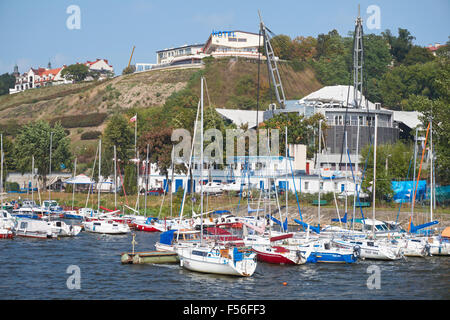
(6, 233)
(218, 259)
(63, 229)
(279, 254)
(323, 251)
(106, 227)
(370, 249)
(7, 221)
(31, 228)
(169, 240)
(149, 257)
(29, 209)
(149, 225)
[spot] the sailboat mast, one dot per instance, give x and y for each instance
(99, 169)
(414, 177)
(146, 182)
(1, 171)
(73, 185)
(32, 178)
(50, 169)
(356, 176)
(201, 159)
(431, 171)
(374, 175)
(115, 178)
(318, 167)
(171, 183)
(286, 169)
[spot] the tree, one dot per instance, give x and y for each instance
(282, 46)
(119, 133)
(160, 147)
(34, 140)
(304, 48)
(7, 81)
(393, 163)
(418, 55)
(301, 130)
(76, 72)
(400, 45)
(438, 110)
(129, 70)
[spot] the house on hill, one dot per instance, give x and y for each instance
(36, 78)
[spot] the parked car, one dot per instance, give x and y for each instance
(155, 192)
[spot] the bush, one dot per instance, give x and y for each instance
(90, 135)
(12, 186)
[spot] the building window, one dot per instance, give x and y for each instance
(321, 186)
(242, 40)
(306, 185)
(232, 39)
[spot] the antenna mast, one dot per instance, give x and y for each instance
(358, 61)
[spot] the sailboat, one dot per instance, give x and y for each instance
(107, 225)
(211, 258)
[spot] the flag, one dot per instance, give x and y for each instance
(133, 119)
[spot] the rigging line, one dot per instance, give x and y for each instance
(207, 94)
(92, 176)
(295, 189)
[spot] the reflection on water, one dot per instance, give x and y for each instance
(37, 269)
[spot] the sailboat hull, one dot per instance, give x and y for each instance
(270, 255)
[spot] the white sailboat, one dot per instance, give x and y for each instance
(107, 225)
(207, 258)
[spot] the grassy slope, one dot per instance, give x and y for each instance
(150, 89)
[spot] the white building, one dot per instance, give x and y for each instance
(36, 78)
(233, 44)
(181, 55)
(100, 66)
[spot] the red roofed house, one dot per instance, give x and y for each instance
(100, 66)
(36, 78)
(434, 48)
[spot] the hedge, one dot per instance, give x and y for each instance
(77, 121)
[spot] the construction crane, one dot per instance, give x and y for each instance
(132, 51)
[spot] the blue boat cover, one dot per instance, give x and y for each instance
(414, 228)
(284, 225)
(312, 228)
(343, 219)
(166, 237)
(403, 190)
(149, 220)
(221, 212)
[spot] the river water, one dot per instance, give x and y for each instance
(40, 269)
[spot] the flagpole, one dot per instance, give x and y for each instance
(135, 135)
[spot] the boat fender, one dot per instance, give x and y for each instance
(427, 249)
(357, 251)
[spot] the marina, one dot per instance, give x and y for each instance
(103, 275)
(252, 167)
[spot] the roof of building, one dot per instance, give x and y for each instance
(409, 118)
(330, 96)
(182, 47)
(240, 117)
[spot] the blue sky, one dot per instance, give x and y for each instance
(34, 32)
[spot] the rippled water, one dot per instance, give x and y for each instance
(37, 269)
